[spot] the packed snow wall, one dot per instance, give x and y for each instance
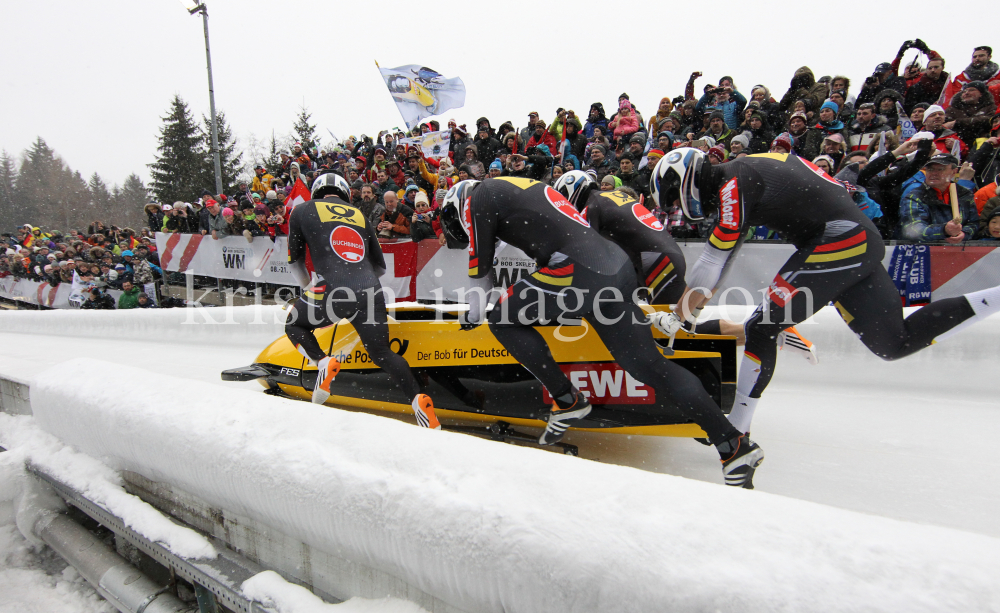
(489, 527)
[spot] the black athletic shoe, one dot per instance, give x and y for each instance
(740, 467)
(560, 419)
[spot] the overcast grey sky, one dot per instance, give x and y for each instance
(94, 78)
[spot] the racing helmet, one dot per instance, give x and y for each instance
(676, 177)
(452, 215)
(576, 185)
(331, 184)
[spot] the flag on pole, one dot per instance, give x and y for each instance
(300, 193)
(421, 92)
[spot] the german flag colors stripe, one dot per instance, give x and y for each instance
(839, 255)
(722, 239)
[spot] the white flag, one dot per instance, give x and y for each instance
(421, 92)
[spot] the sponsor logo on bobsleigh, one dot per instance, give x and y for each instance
(605, 383)
(458, 353)
(360, 356)
(291, 372)
(235, 258)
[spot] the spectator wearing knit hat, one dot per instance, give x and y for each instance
(828, 124)
(970, 112)
(599, 162)
(982, 68)
(718, 129)
(759, 135)
(739, 147)
(782, 143)
(866, 128)
(945, 139)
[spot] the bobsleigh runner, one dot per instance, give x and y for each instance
(472, 378)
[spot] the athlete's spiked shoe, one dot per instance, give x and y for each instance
(792, 340)
(328, 369)
(739, 468)
(423, 408)
(560, 419)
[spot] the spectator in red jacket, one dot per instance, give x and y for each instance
(542, 137)
(982, 68)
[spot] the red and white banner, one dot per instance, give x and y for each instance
(427, 271)
(42, 294)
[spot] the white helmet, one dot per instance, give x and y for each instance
(331, 184)
(452, 215)
(676, 178)
(575, 185)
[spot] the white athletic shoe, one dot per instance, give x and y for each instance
(328, 369)
(792, 340)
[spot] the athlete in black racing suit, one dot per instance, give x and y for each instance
(581, 275)
(655, 256)
(347, 260)
(839, 260)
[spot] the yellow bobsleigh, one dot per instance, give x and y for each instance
(472, 378)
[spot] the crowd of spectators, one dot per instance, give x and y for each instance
(909, 141)
(92, 262)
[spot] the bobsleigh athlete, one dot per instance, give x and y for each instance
(580, 275)
(657, 259)
(839, 260)
(347, 261)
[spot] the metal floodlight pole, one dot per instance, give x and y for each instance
(201, 8)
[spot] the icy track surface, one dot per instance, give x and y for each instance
(892, 439)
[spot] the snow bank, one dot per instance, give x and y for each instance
(492, 527)
(29, 445)
(271, 590)
(245, 325)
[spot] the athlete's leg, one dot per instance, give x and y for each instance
(633, 347)
(809, 280)
(511, 323)
(304, 317)
(369, 318)
(871, 309)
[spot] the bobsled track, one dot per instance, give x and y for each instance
(879, 491)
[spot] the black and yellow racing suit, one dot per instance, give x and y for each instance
(348, 260)
(580, 275)
(839, 260)
(655, 256)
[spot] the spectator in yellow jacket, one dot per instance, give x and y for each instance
(262, 180)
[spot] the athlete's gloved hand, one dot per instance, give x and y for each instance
(477, 311)
(668, 323)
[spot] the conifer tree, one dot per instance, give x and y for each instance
(230, 160)
(179, 170)
(8, 178)
(305, 132)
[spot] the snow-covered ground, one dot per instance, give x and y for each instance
(900, 440)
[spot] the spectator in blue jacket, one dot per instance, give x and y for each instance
(926, 213)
